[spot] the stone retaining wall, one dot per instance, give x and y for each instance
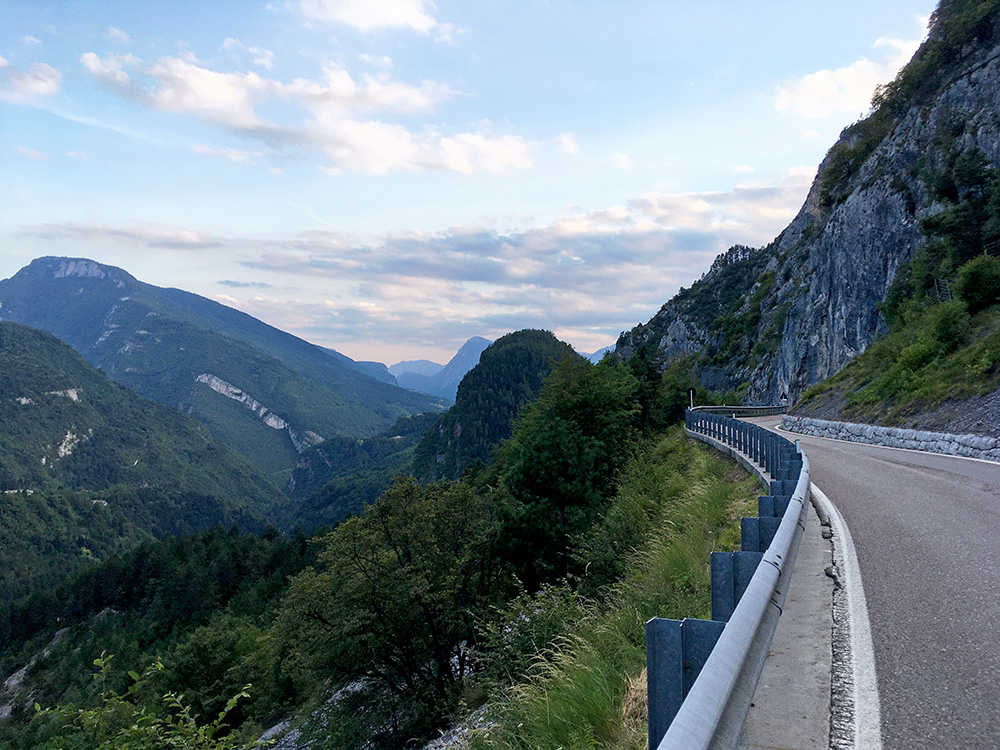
(971, 446)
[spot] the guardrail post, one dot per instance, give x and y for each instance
(756, 534)
(772, 506)
(676, 650)
(731, 574)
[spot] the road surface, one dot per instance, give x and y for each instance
(926, 529)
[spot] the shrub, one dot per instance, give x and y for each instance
(978, 283)
(915, 356)
(950, 324)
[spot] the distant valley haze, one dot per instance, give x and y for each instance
(390, 180)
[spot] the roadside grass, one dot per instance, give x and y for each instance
(587, 689)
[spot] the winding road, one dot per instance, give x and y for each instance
(926, 529)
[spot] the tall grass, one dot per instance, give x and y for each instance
(588, 689)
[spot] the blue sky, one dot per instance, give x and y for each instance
(391, 177)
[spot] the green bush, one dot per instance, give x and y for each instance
(915, 356)
(950, 324)
(978, 283)
(122, 723)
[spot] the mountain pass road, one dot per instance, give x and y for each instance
(926, 529)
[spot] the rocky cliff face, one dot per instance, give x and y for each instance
(778, 319)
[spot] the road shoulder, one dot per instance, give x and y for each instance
(791, 708)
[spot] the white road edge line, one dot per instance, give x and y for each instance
(867, 711)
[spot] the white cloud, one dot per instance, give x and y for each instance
(568, 144)
(829, 92)
(77, 155)
(339, 91)
(32, 153)
(622, 161)
(338, 114)
(259, 55)
(146, 235)
(232, 154)
(382, 61)
(225, 98)
(445, 33)
(110, 71)
(118, 35)
(474, 152)
(30, 40)
(368, 15)
(19, 87)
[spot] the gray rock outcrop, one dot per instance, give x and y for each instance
(808, 303)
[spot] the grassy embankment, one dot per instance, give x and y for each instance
(679, 501)
(941, 354)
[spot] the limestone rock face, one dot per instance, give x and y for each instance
(820, 282)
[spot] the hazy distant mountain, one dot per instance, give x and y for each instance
(509, 374)
(445, 382)
(599, 354)
(88, 468)
(416, 367)
(268, 394)
(375, 370)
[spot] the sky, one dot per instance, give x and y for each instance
(392, 177)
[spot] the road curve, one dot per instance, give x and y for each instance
(926, 529)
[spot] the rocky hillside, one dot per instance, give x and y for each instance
(777, 319)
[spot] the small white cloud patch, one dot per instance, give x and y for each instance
(19, 87)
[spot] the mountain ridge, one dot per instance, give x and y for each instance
(444, 382)
(172, 346)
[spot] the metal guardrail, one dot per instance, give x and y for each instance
(741, 411)
(713, 712)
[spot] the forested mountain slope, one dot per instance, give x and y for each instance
(87, 467)
(907, 193)
(268, 394)
(510, 373)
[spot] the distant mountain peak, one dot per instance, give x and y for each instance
(58, 267)
(444, 382)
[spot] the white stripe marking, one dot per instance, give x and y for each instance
(867, 711)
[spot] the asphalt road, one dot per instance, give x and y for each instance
(927, 533)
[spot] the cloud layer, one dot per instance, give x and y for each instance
(585, 276)
(24, 87)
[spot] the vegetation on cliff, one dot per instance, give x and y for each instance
(944, 340)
